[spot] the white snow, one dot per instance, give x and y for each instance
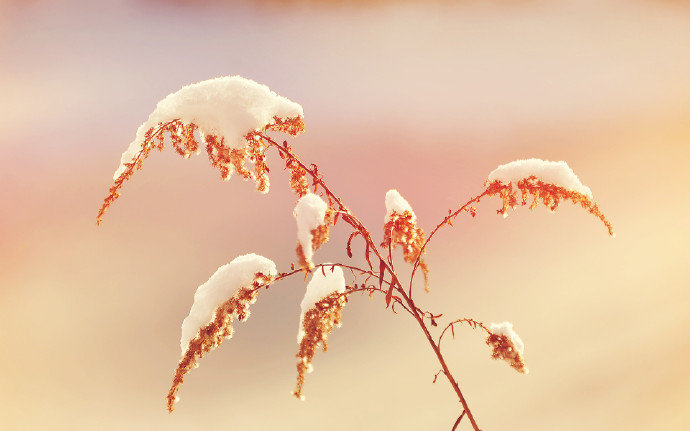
(227, 280)
(229, 106)
(558, 173)
(506, 328)
(396, 203)
(324, 281)
(309, 213)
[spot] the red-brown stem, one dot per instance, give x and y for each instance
(446, 220)
(317, 179)
(457, 422)
(473, 323)
(441, 360)
(356, 224)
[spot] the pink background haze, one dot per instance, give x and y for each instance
(424, 97)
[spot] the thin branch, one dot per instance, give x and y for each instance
(390, 249)
(318, 179)
(471, 322)
(357, 288)
(457, 422)
(372, 289)
(446, 220)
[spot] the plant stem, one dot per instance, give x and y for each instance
(424, 328)
(353, 221)
(441, 360)
(457, 422)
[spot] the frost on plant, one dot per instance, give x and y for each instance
(507, 345)
(226, 295)
(400, 228)
(313, 218)
(231, 118)
(226, 116)
(321, 307)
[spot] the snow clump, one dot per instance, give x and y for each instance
(325, 281)
(395, 203)
(557, 173)
(310, 213)
(222, 285)
(228, 107)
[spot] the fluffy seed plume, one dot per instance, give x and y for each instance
(314, 218)
(321, 306)
(224, 115)
(226, 295)
(541, 180)
(400, 228)
(507, 345)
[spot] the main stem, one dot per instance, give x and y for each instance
(365, 233)
(439, 355)
(353, 221)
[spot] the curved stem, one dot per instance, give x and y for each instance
(473, 323)
(446, 220)
(457, 422)
(317, 179)
(363, 288)
(441, 360)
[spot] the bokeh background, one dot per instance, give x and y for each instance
(425, 97)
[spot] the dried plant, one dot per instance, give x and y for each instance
(233, 116)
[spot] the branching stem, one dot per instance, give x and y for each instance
(446, 220)
(353, 221)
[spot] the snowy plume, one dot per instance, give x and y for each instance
(226, 116)
(400, 228)
(557, 173)
(507, 345)
(228, 107)
(312, 216)
(227, 280)
(225, 296)
(321, 312)
(325, 281)
(506, 329)
(544, 182)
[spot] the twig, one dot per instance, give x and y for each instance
(457, 422)
(446, 220)
(473, 323)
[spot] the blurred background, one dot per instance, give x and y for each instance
(425, 97)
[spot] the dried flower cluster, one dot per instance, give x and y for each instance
(551, 195)
(227, 160)
(298, 177)
(507, 345)
(211, 335)
(316, 324)
(401, 229)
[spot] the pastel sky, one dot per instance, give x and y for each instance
(424, 97)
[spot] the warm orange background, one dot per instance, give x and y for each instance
(424, 97)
